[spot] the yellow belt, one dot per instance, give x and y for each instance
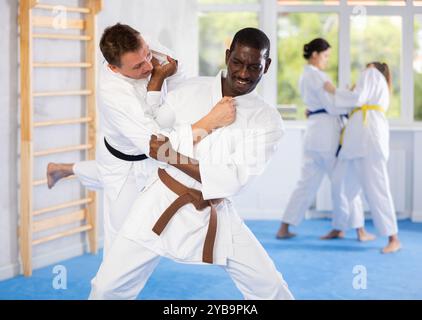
(364, 110)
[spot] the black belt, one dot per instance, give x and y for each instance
(122, 155)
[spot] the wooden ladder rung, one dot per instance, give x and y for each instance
(63, 149)
(62, 65)
(61, 36)
(60, 220)
(62, 93)
(62, 122)
(57, 7)
(44, 181)
(62, 206)
(62, 234)
(49, 22)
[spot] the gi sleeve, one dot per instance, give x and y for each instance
(330, 104)
(180, 135)
(138, 128)
(225, 177)
(153, 99)
(129, 120)
(359, 96)
(327, 100)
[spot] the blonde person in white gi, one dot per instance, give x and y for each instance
(321, 140)
(223, 162)
(130, 92)
(365, 150)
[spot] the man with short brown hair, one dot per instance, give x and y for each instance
(130, 86)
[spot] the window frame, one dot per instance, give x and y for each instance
(269, 10)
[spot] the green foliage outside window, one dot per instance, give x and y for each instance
(294, 31)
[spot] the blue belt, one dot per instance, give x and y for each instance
(342, 116)
(312, 113)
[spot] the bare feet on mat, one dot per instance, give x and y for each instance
(393, 245)
(57, 171)
(333, 234)
(364, 235)
(287, 235)
(284, 233)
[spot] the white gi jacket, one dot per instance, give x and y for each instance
(228, 159)
(323, 129)
(127, 113)
(360, 138)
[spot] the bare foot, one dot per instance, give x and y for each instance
(392, 246)
(364, 235)
(333, 234)
(284, 233)
(57, 171)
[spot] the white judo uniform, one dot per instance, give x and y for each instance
(320, 145)
(128, 116)
(228, 159)
(363, 157)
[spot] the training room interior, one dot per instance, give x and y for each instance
(49, 113)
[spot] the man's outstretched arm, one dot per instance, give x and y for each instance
(161, 150)
(221, 115)
(225, 178)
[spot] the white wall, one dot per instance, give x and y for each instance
(8, 135)
(417, 177)
(172, 22)
(267, 196)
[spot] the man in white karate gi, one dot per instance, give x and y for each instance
(130, 90)
(184, 212)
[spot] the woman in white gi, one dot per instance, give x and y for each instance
(365, 149)
(320, 145)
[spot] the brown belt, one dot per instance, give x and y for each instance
(188, 195)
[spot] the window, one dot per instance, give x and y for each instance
(417, 66)
(308, 2)
(227, 1)
(294, 31)
(377, 2)
(216, 30)
(378, 38)
(359, 31)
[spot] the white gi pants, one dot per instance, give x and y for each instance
(87, 174)
(115, 210)
(315, 166)
(370, 175)
(128, 265)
